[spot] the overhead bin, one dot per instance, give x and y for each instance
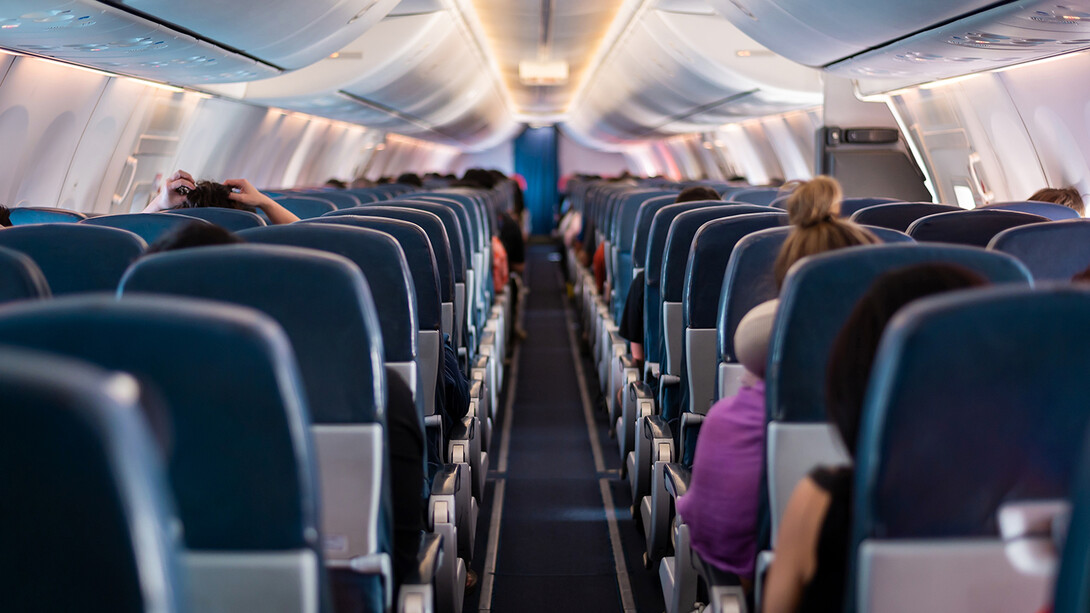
(101, 36)
(420, 71)
(819, 33)
(288, 33)
(1003, 36)
(907, 43)
(681, 72)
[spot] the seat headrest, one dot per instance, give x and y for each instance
(898, 215)
(384, 266)
(1055, 250)
(148, 226)
(76, 258)
(818, 295)
(321, 300)
(975, 227)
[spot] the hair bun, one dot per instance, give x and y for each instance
(814, 202)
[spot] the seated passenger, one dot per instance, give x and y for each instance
(810, 569)
(720, 507)
(410, 178)
(631, 325)
(5, 216)
(336, 184)
(181, 191)
(1067, 196)
(813, 210)
(193, 234)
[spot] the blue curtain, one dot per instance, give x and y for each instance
(536, 161)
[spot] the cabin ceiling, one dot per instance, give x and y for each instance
(568, 31)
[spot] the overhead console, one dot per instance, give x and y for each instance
(287, 33)
(101, 36)
(902, 43)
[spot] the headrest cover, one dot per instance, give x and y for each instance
(752, 336)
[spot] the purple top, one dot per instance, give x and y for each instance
(720, 506)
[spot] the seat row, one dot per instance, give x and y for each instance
(270, 366)
(706, 264)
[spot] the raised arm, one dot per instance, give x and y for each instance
(249, 195)
(169, 196)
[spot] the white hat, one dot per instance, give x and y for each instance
(752, 336)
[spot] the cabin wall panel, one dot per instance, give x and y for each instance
(44, 109)
(96, 155)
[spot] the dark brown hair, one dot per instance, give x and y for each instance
(1067, 196)
(853, 351)
(697, 192)
(211, 194)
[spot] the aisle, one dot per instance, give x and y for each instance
(554, 547)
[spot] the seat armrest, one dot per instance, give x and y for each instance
(627, 361)
(446, 482)
(677, 479)
(655, 427)
(434, 423)
(476, 388)
(1033, 534)
(463, 430)
(667, 380)
(428, 559)
(641, 391)
(689, 431)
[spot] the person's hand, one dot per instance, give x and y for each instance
(169, 196)
(247, 194)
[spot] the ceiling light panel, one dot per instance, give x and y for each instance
(92, 34)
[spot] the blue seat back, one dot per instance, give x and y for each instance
(849, 206)
(899, 215)
(457, 235)
(89, 520)
(240, 465)
(148, 226)
(982, 387)
(968, 227)
(320, 300)
(232, 220)
(467, 209)
(383, 263)
(757, 195)
(1072, 593)
(1048, 210)
(305, 207)
(340, 198)
(23, 215)
(20, 277)
(433, 228)
(711, 250)
(1051, 251)
(652, 272)
(748, 279)
(679, 242)
(366, 195)
(819, 294)
(418, 256)
(76, 258)
(642, 229)
(622, 237)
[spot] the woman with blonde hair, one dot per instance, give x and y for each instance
(814, 212)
